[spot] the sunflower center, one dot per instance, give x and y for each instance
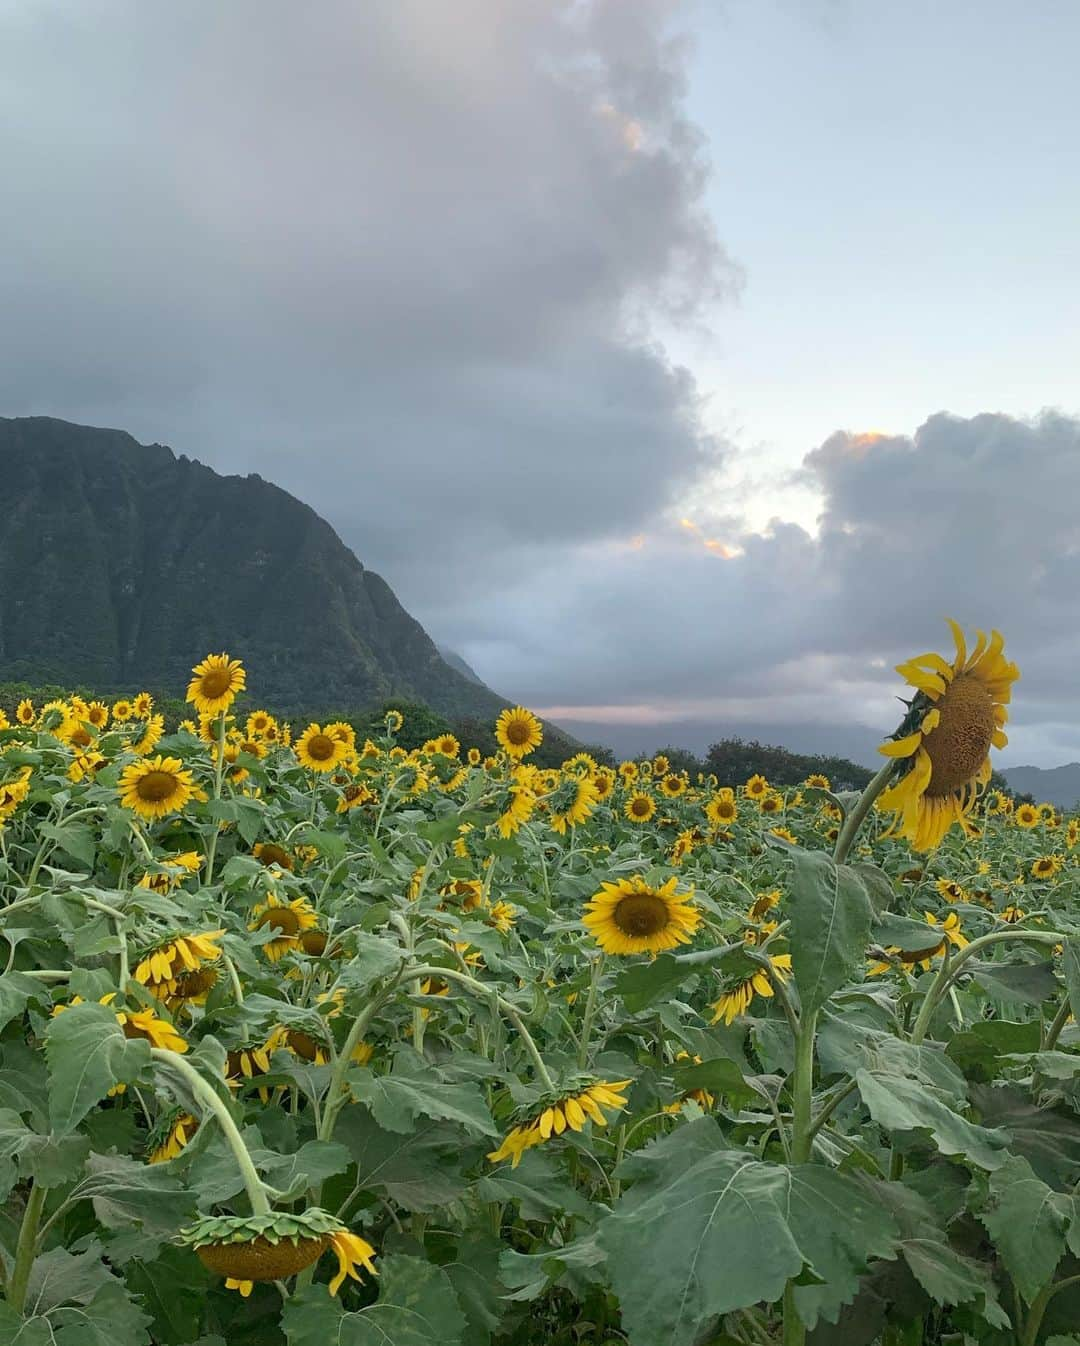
(641, 914)
(517, 731)
(283, 919)
(321, 747)
(961, 742)
(156, 786)
(216, 682)
(640, 808)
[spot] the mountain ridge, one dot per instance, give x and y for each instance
(1058, 785)
(125, 563)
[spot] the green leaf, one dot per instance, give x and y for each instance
(644, 983)
(173, 1289)
(16, 990)
(125, 1192)
(50, 1160)
(111, 1318)
(720, 1076)
(764, 1224)
(845, 1047)
(87, 1055)
(15, 1330)
(830, 926)
(574, 1265)
(900, 1104)
(416, 1307)
(537, 1187)
(1070, 967)
(474, 1276)
(59, 1277)
(1018, 983)
(1048, 1139)
(419, 1171)
(1027, 1222)
(415, 1089)
(375, 958)
(949, 1277)
(74, 839)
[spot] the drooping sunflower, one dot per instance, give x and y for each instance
(518, 731)
(784, 834)
(1026, 816)
(288, 919)
(943, 746)
(167, 971)
(763, 904)
(702, 1097)
(355, 796)
(517, 808)
(319, 750)
(942, 933)
(1072, 833)
(14, 792)
(156, 786)
(150, 1027)
(630, 916)
(174, 870)
(153, 730)
(737, 999)
(170, 1136)
(561, 1112)
(1047, 866)
(1012, 915)
(640, 807)
(215, 683)
(951, 891)
(246, 1249)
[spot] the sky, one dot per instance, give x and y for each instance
(681, 364)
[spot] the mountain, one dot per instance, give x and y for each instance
(1058, 785)
(122, 564)
(455, 661)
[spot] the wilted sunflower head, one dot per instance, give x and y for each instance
(215, 683)
(943, 745)
(631, 916)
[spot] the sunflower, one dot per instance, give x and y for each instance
(169, 1137)
(394, 721)
(215, 683)
(738, 998)
(14, 792)
(25, 712)
(153, 731)
(473, 756)
(1072, 833)
(258, 723)
(1048, 815)
(701, 1097)
(175, 868)
(142, 705)
(518, 805)
(640, 807)
(951, 891)
(97, 714)
(683, 846)
(721, 810)
(155, 786)
(573, 801)
(631, 916)
(673, 786)
(501, 917)
(763, 904)
(773, 802)
(246, 1249)
(604, 781)
(1026, 816)
(163, 968)
(58, 719)
(518, 731)
(1012, 915)
(816, 781)
(84, 765)
(319, 750)
(956, 716)
(942, 934)
(756, 787)
(354, 796)
(147, 1026)
(660, 764)
(1047, 866)
(581, 764)
(288, 919)
(784, 834)
(628, 771)
(558, 1113)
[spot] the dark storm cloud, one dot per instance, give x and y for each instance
(401, 258)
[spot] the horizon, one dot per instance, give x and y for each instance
(597, 330)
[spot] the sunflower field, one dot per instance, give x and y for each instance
(305, 1039)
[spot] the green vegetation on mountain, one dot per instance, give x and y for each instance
(121, 564)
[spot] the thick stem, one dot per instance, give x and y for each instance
(794, 1329)
(336, 1094)
(949, 971)
(24, 1251)
(219, 771)
(864, 804)
(802, 1090)
(590, 1010)
(1053, 1032)
(210, 1099)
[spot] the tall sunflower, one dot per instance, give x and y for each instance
(518, 731)
(630, 916)
(943, 745)
(155, 786)
(215, 683)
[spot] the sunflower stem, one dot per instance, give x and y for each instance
(219, 771)
(211, 1100)
(24, 1251)
(1053, 1032)
(336, 1094)
(949, 971)
(590, 1010)
(854, 820)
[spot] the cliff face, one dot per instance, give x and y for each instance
(122, 564)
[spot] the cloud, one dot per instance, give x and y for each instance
(973, 518)
(404, 259)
